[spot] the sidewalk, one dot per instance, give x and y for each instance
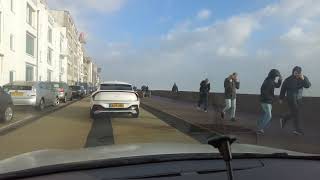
(244, 128)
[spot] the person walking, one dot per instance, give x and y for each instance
(204, 95)
(267, 98)
(175, 88)
(292, 89)
(231, 84)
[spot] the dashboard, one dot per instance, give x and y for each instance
(244, 169)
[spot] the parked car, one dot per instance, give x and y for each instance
(86, 87)
(36, 94)
(115, 97)
(6, 106)
(63, 91)
(77, 91)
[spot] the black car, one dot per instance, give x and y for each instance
(6, 106)
(77, 91)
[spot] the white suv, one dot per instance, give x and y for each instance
(115, 97)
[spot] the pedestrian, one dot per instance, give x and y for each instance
(231, 84)
(267, 98)
(204, 95)
(175, 88)
(292, 89)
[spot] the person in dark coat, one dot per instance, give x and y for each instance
(267, 98)
(175, 88)
(292, 89)
(204, 95)
(231, 84)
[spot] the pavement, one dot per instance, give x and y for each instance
(244, 128)
(161, 120)
(71, 128)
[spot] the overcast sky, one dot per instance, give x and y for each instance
(159, 42)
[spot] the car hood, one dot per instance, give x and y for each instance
(44, 158)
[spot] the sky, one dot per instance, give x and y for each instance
(159, 42)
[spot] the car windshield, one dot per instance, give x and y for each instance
(57, 85)
(103, 78)
(124, 87)
(75, 87)
(16, 87)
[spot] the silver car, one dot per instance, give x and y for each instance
(36, 94)
(63, 91)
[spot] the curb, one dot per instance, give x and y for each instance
(188, 128)
(18, 124)
(181, 125)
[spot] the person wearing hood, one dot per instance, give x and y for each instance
(292, 89)
(175, 88)
(204, 95)
(231, 84)
(267, 98)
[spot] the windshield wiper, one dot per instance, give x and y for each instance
(223, 143)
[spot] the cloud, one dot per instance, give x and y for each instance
(262, 53)
(105, 6)
(81, 9)
(204, 14)
(280, 35)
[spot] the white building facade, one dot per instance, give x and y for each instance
(37, 44)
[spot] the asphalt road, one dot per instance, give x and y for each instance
(72, 128)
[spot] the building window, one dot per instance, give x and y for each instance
(12, 5)
(49, 56)
(29, 73)
(49, 35)
(30, 15)
(11, 76)
(30, 41)
(49, 75)
(11, 42)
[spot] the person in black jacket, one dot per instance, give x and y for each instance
(292, 88)
(204, 95)
(231, 84)
(267, 97)
(175, 88)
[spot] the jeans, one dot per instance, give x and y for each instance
(230, 107)
(266, 117)
(294, 113)
(203, 100)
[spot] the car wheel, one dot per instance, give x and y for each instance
(92, 116)
(41, 105)
(8, 114)
(65, 99)
(136, 115)
(57, 102)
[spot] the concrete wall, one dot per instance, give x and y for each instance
(248, 103)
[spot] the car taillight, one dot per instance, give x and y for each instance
(33, 92)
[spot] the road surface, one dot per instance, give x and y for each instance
(72, 128)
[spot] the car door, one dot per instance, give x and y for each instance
(3, 100)
(51, 93)
(46, 93)
(68, 90)
(42, 92)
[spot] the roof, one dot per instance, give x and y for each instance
(115, 82)
(22, 83)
